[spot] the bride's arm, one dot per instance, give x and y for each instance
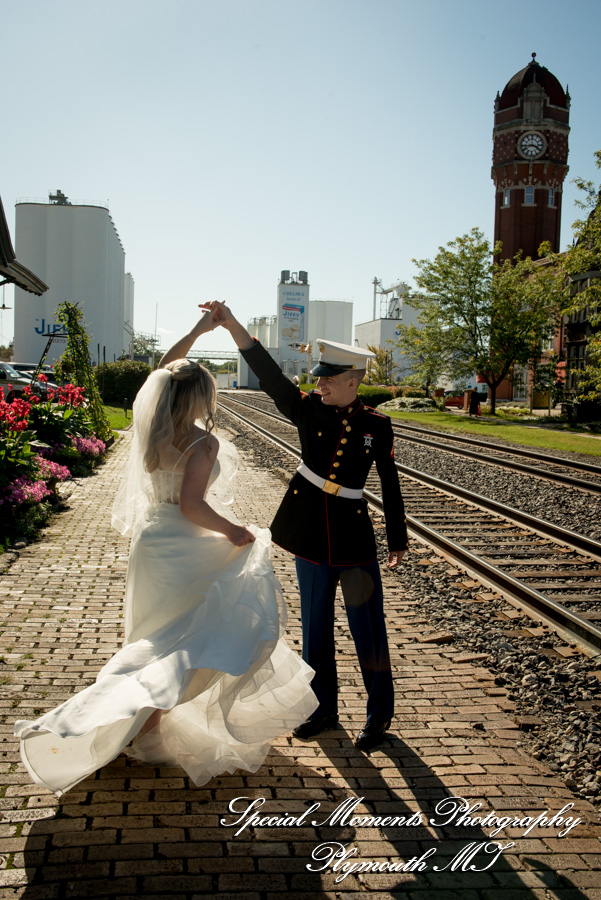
(195, 508)
(181, 348)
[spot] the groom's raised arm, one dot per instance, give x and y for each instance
(271, 378)
(225, 317)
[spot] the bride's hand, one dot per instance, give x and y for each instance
(239, 535)
(211, 319)
(220, 313)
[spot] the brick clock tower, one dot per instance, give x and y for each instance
(530, 155)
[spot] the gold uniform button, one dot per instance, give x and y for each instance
(295, 491)
(336, 464)
(348, 427)
(339, 453)
(367, 451)
(359, 511)
(345, 421)
(350, 409)
(333, 477)
(319, 434)
(344, 441)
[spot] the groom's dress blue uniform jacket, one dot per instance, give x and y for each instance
(340, 446)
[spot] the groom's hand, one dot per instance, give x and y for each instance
(394, 558)
(220, 313)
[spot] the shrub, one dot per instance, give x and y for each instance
(122, 379)
(372, 395)
(412, 404)
(30, 518)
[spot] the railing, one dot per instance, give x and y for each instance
(47, 202)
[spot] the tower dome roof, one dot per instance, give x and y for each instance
(533, 72)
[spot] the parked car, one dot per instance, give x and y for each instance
(30, 368)
(454, 398)
(18, 381)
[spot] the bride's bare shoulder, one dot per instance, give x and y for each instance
(204, 441)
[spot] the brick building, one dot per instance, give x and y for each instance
(530, 156)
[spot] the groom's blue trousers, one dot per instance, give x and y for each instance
(364, 603)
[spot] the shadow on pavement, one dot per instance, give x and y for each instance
(135, 831)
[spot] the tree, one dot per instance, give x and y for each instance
(212, 367)
(425, 346)
(381, 369)
(491, 317)
(75, 364)
(584, 259)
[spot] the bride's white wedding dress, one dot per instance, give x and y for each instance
(203, 626)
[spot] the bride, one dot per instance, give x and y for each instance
(205, 679)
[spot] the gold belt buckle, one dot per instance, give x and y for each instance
(330, 488)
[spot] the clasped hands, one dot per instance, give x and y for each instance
(215, 314)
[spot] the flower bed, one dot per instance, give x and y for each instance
(43, 442)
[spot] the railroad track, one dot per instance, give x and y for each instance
(550, 468)
(546, 571)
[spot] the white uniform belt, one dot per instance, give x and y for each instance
(329, 487)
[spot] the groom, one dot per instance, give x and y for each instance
(323, 520)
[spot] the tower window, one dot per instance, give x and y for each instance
(529, 196)
(551, 201)
(506, 197)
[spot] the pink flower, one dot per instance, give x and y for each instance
(25, 491)
(90, 446)
(49, 469)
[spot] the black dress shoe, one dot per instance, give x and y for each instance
(371, 736)
(315, 725)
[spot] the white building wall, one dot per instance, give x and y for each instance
(331, 320)
(76, 250)
(378, 332)
(128, 309)
(264, 329)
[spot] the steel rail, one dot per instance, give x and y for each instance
(559, 535)
(545, 529)
(501, 448)
(515, 591)
(514, 464)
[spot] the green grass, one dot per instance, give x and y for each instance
(544, 438)
(117, 418)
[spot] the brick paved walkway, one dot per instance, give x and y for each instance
(135, 831)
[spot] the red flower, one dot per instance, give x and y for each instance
(70, 395)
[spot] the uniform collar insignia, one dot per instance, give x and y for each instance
(350, 409)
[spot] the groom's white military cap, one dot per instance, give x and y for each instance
(335, 358)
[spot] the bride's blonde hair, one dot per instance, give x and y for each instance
(192, 395)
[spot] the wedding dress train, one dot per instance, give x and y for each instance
(203, 623)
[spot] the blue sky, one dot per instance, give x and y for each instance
(233, 139)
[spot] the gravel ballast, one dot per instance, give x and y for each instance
(557, 698)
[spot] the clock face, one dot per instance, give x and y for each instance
(531, 145)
